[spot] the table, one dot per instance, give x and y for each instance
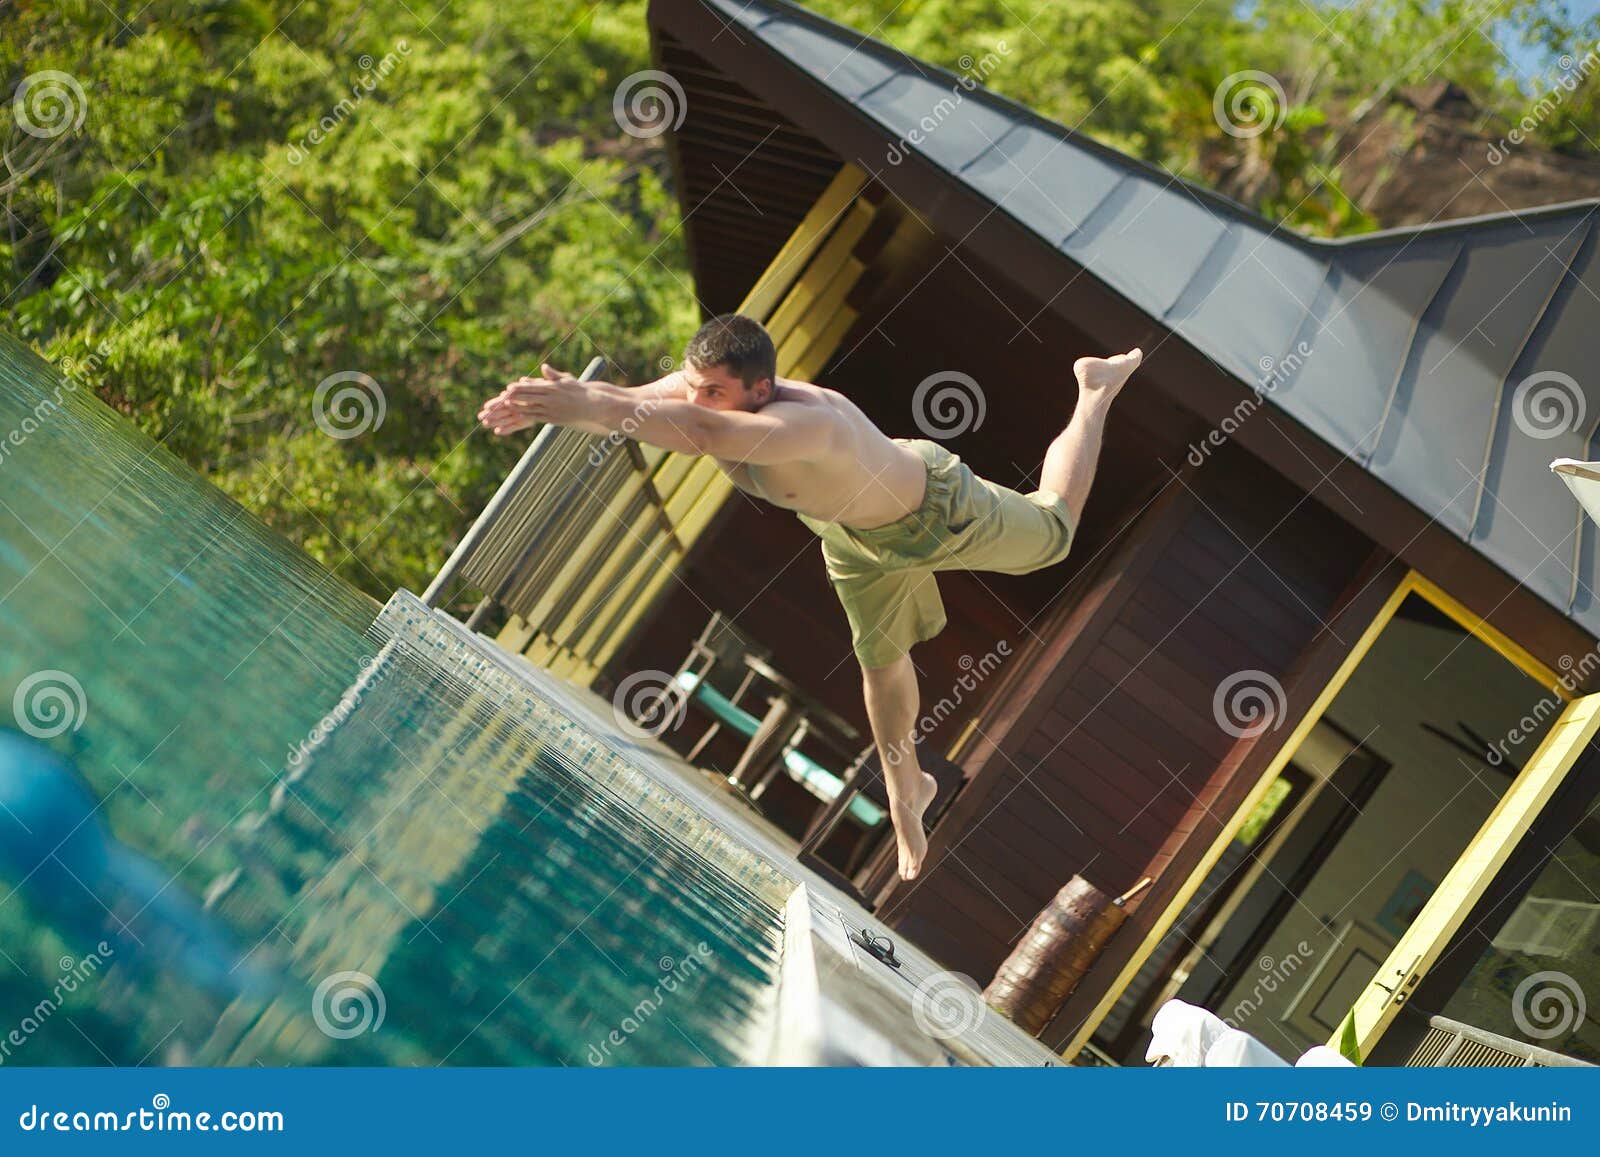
(787, 711)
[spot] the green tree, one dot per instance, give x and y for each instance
(248, 198)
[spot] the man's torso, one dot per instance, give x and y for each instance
(865, 480)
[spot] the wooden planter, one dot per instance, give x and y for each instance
(1059, 947)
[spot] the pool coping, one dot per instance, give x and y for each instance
(838, 1005)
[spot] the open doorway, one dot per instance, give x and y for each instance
(1364, 818)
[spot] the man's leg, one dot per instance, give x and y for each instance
(891, 695)
(1070, 461)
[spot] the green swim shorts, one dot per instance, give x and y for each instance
(885, 576)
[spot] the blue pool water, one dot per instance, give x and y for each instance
(250, 816)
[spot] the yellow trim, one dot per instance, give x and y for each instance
(694, 522)
(1412, 583)
(600, 537)
(621, 537)
(834, 257)
(1230, 829)
(641, 542)
(791, 260)
(538, 650)
(658, 552)
(1482, 631)
(683, 481)
(823, 311)
(809, 364)
(967, 732)
(516, 634)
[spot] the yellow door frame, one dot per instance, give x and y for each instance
(1372, 1021)
(1471, 875)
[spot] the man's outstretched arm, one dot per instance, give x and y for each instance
(657, 414)
(505, 414)
(673, 385)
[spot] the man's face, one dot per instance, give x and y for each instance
(718, 388)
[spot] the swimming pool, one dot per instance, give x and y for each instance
(302, 828)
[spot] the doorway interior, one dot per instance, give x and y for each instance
(1364, 818)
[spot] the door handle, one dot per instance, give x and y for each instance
(1407, 981)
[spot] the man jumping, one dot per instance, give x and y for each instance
(889, 511)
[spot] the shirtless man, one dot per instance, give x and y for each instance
(890, 511)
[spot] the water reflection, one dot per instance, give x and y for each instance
(306, 832)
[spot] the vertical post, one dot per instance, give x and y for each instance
(502, 498)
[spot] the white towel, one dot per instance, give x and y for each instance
(1236, 1049)
(1183, 1032)
(1322, 1057)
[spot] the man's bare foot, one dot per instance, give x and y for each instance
(1105, 376)
(908, 835)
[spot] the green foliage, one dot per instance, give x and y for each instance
(265, 193)
(262, 195)
(1349, 1047)
(1261, 815)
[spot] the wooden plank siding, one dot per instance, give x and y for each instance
(1191, 849)
(1099, 752)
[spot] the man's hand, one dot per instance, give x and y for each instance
(660, 414)
(558, 398)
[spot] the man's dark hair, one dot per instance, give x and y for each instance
(738, 342)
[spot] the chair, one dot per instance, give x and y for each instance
(864, 778)
(713, 674)
(817, 778)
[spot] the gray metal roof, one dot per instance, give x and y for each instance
(1403, 349)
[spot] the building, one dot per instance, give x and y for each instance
(1319, 663)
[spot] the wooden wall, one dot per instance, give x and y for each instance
(1092, 764)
